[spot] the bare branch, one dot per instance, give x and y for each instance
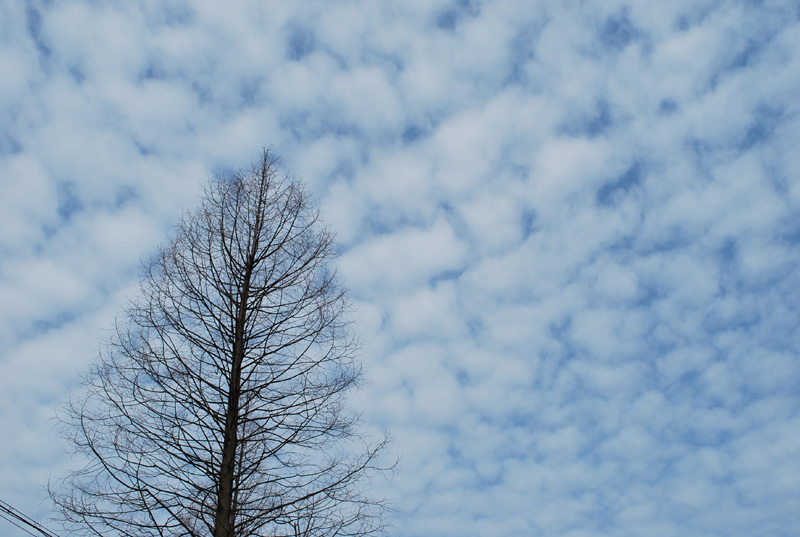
(218, 406)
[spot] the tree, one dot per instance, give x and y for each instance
(217, 407)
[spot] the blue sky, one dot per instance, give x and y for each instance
(570, 231)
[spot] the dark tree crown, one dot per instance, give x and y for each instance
(217, 407)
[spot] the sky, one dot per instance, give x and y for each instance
(570, 231)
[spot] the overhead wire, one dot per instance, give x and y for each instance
(26, 530)
(7, 510)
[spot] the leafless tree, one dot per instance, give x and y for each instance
(217, 408)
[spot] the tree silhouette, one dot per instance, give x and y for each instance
(217, 408)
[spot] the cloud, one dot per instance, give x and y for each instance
(569, 232)
(406, 258)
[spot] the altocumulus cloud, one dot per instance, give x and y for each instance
(570, 232)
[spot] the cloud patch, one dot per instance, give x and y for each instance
(569, 232)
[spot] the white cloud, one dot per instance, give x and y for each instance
(569, 231)
(29, 201)
(402, 260)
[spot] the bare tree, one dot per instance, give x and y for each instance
(218, 406)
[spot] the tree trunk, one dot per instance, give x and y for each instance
(225, 517)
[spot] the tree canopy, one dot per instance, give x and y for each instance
(218, 406)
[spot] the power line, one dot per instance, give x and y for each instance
(7, 510)
(26, 530)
